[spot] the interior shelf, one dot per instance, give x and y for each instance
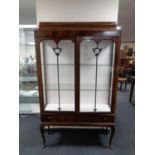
(89, 65)
(27, 65)
(90, 108)
(30, 93)
(83, 107)
(27, 79)
(64, 107)
(83, 87)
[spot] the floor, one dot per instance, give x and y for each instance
(82, 141)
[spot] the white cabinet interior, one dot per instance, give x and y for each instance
(95, 79)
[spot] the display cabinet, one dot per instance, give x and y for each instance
(77, 74)
(28, 83)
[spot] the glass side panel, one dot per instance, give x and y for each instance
(58, 75)
(96, 72)
(28, 84)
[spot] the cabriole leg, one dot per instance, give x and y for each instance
(121, 86)
(49, 131)
(111, 135)
(43, 136)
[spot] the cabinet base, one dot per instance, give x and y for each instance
(106, 129)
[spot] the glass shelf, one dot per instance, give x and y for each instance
(83, 87)
(91, 87)
(28, 86)
(100, 65)
(27, 79)
(27, 65)
(62, 87)
(30, 93)
(59, 64)
(87, 65)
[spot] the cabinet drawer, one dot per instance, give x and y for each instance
(78, 119)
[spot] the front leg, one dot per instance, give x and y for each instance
(111, 135)
(43, 136)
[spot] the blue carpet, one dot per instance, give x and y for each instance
(81, 142)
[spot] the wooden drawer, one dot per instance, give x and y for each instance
(78, 118)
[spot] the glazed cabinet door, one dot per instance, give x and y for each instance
(57, 64)
(96, 74)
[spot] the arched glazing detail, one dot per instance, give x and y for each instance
(57, 61)
(96, 75)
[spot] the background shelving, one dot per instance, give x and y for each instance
(28, 82)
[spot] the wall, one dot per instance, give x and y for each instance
(27, 12)
(77, 10)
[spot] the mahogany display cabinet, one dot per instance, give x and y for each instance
(77, 67)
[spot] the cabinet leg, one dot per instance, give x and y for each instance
(131, 91)
(121, 86)
(49, 132)
(125, 84)
(43, 136)
(111, 135)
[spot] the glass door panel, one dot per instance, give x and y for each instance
(96, 73)
(58, 75)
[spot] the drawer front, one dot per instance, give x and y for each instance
(78, 119)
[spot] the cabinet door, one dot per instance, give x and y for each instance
(57, 63)
(96, 74)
